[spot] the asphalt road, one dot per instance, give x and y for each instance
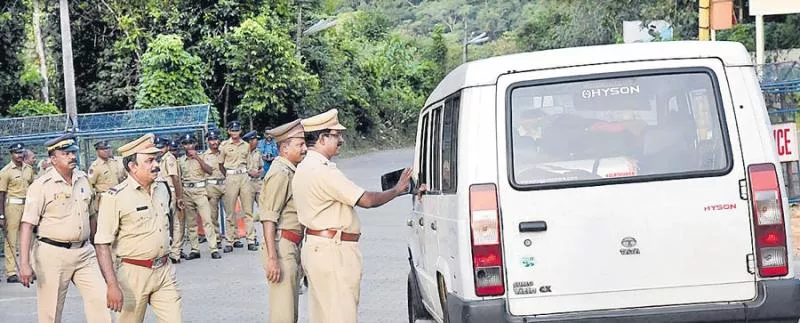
(234, 289)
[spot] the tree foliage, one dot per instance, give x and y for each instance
(28, 108)
(170, 75)
(263, 65)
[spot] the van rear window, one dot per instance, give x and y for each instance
(632, 127)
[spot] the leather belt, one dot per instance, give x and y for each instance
(194, 184)
(215, 181)
(330, 234)
(149, 263)
(235, 171)
(65, 245)
(292, 236)
(15, 200)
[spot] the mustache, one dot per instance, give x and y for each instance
(156, 170)
(73, 161)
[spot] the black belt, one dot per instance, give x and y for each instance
(66, 245)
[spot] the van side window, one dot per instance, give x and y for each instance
(436, 152)
(423, 155)
(450, 144)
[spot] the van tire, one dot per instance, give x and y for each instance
(443, 298)
(416, 310)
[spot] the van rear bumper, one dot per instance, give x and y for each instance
(777, 301)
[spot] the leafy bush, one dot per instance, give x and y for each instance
(28, 108)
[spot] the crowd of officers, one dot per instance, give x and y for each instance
(116, 231)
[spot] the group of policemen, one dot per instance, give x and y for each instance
(108, 231)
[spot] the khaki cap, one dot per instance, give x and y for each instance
(292, 129)
(322, 121)
(143, 145)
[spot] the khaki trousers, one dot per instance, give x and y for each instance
(215, 193)
(55, 267)
(238, 187)
(284, 295)
(195, 203)
(333, 268)
(11, 239)
(255, 187)
(178, 227)
(141, 286)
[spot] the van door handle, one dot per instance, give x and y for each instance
(532, 226)
(410, 222)
(433, 225)
(421, 221)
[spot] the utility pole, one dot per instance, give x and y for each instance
(69, 72)
(464, 53)
(704, 20)
(299, 32)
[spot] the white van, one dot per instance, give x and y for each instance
(631, 182)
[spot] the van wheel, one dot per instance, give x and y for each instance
(443, 298)
(416, 310)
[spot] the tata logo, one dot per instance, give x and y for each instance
(628, 242)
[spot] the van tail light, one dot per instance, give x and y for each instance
(487, 257)
(770, 231)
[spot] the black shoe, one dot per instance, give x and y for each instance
(202, 239)
(174, 261)
(193, 255)
(215, 255)
(227, 249)
(12, 279)
(238, 244)
(183, 255)
(252, 247)
(219, 244)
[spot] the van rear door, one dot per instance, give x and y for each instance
(619, 187)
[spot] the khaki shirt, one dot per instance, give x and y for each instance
(169, 167)
(234, 156)
(212, 160)
(324, 196)
(191, 170)
(15, 180)
(254, 162)
(60, 209)
(133, 221)
(279, 207)
(106, 174)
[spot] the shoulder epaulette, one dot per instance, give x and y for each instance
(114, 190)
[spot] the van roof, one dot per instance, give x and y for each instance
(486, 71)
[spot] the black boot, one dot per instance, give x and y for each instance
(193, 255)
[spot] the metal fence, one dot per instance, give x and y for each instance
(118, 127)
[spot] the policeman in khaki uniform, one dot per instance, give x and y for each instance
(325, 199)
(215, 183)
(255, 166)
(233, 163)
(15, 178)
(58, 202)
(105, 172)
(281, 252)
(137, 225)
(170, 172)
(194, 171)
